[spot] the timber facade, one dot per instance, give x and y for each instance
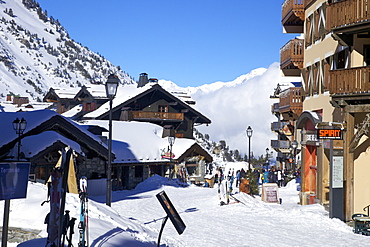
(333, 62)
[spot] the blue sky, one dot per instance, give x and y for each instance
(189, 42)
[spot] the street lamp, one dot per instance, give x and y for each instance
(111, 89)
(249, 134)
(294, 146)
(19, 126)
(267, 158)
(171, 141)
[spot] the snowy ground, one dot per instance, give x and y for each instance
(136, 216)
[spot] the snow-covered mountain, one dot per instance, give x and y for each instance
(36, 53)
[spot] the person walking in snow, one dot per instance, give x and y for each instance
(237, 178)
(266, 177)
(280, 178)
(242, 173)
(231, 181)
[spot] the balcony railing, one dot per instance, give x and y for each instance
(292, 54)
(280, 145)
(291, 100)
(275, 108)
(350, 81)
(278, 126)
(295, 7)
(144, 115)
(347, 12)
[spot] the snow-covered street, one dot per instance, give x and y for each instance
(136, 216)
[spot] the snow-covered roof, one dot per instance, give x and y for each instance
(141, 142)
(33, 118)
(34, 143)
(73, 111)
(8, 106)
(124, 93)
(97, 90)
(66, 93)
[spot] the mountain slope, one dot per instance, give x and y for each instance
(36, 53)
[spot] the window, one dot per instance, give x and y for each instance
(162, 108)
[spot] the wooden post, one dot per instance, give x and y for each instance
(348, 167)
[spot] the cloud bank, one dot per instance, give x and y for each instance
(233, 109)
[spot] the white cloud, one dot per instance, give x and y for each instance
(233, 109)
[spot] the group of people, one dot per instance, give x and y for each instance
(272, 175)
(232, 177)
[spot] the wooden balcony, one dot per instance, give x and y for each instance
(275, 108)
(279, 126)
(293, 16)
(350, 15)
(291, 57)
(291, 103)
(353, 83)
(152, 116)
(280, 145)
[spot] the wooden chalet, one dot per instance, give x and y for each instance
(47, 133)
(160, 107)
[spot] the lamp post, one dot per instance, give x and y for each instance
(19, 126)
(171, 141)
(111, 89)
(249, 134)
(294, 146)
(267, 158)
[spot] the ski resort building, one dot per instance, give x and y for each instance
(140, 134)
(331, 55)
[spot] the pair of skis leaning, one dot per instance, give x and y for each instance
(83, 225)
(57, 223)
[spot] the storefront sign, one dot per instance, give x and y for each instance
(334, 134)
(337, 175)
(13, 180)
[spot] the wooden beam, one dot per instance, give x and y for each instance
(357, 108)
(348, 167)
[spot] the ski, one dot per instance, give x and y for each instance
(83, 225)
(54, 215)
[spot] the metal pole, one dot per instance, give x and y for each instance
(160, 232)
(249, 154)
(109, 168)
(19, 142)
(170, 175)
(4, 238)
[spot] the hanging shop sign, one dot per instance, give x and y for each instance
(333, 134)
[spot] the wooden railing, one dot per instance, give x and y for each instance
(350, 81)
(280, 144)
(136, 115)
(292, 52)
(291, 100)
(294, 6)
(349, 12)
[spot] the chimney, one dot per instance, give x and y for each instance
(143, 80)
